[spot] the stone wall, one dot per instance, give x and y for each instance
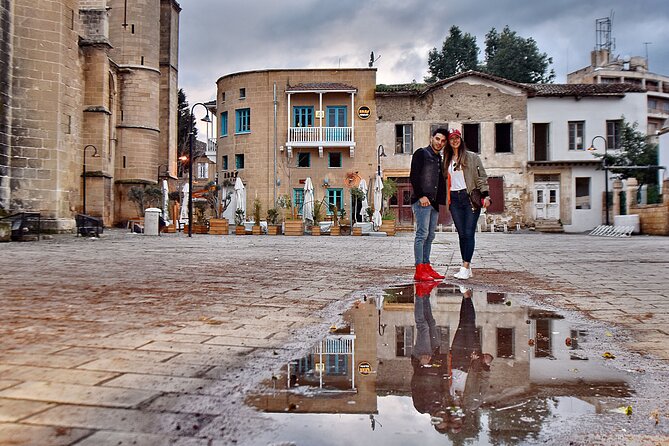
(5, 95)
(653, 218)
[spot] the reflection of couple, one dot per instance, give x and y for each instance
(449, 385)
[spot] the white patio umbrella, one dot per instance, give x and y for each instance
(308, 207)
(365, 204)
(378, 200)
(240, 195)
(183, 215)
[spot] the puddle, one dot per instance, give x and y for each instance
(426, 362)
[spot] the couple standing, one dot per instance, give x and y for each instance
(436, 180)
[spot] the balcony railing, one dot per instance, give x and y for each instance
(320, 135)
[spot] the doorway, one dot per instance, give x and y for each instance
(547, 197)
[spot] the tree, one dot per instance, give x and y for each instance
(459, 53)
(635, 150)
(512, 57)
(186, 121)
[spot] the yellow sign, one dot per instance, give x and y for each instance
(364, 368)
(320, 114)
(364, 112)
(319, 366)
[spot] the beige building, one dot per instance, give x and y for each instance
(89, 82)
(276, 128)
(491, 113)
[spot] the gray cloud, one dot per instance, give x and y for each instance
(219, 37)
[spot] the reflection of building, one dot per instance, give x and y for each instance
(74, 74)
(535, 369)
(319, 132)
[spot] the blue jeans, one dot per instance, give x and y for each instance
(427, 339)
(426, 224)
(465, 222)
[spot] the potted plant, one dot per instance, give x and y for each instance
(316, 220)
(292, 224)
(217, 205)
(273, 226)
(200, 224)
(334, 229)
(257, 207)
(388, 222)
(239, 222)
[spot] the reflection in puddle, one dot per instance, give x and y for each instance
(426, 361)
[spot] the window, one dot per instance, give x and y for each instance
(242, 93)
(239, 161)
(404, 138)
(298, 199)
(224, 162)
(503, 143)
(505, 342)
(576, 129)
(303, 116)
(335, 198)
(203, 170)
(336, 116)
(223, 97)
(583, 193)
(471, 135)
(613, 134)
(224, 124)
(334, 159)
(403, 341)
(303, 159)
(243, 120)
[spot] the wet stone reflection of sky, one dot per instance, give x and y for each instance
(442, 364)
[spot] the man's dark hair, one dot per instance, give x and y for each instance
(441, 130)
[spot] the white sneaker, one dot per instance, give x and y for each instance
(470, 272)
(463, 274)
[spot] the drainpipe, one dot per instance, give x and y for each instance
(275, 139)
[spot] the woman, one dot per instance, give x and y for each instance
(464, 172)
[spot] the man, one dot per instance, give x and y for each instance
(429, 191)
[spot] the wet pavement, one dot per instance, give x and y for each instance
(161, 340)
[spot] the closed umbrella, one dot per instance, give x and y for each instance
(240, 195)
(166, 198)
(378, 200)
(183, 215)
(365, 204)
(308, 207)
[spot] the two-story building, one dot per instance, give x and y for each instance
(276, 128)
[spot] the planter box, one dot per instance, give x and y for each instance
(240, 230)
(273, 229)
(388, 226)
(219, 226)
(316, 230)
(293, 227)
(335, 230)
(256, 230)
(357, 231)
(169, 229)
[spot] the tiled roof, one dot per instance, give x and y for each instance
(316, 86)
(583, 89)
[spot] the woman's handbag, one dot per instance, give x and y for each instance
(476, 199)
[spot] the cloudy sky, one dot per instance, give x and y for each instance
(219, 37)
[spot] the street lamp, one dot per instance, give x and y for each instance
(166, 172)
(606, 172)
(190, 165)
(94, 155)
(379, 153)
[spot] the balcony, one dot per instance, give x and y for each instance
(320, 136)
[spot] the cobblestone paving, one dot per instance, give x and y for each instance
(154, 340)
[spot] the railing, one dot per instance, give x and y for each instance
(337, 344)
(320, 134)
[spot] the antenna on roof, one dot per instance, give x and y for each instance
(372, 59)
(646, 45)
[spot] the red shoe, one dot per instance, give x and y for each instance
(423, 289)
(432, 272)
(422, 275)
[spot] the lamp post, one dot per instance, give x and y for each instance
(606, 173)
(379, 153)
(190, 165)
(166, 173)
(94, 155)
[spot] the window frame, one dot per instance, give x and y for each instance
(574, 128)
(402, 140)
(467, 130)
(498, 127)
(224, 124)
(301, 112)
(242, 121)
(224, 162)
(202, 170)
(341, 160)
(577, 196)
(336, 109)
(239, 157)
(338, 193)
(298, 199)
(614, 129)
(300, 155)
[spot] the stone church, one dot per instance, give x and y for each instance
(89, 92)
